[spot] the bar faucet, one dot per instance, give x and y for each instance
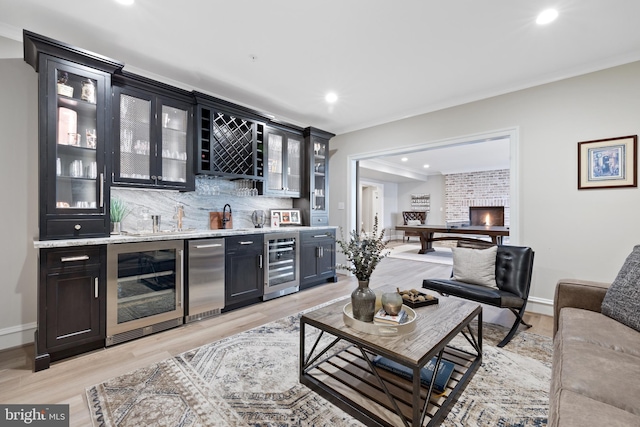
(226, 219)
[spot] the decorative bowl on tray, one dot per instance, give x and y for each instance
(374, 328)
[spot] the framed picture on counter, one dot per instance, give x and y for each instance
(284, 217)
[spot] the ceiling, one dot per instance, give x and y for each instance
(457, 158)
(385, 60)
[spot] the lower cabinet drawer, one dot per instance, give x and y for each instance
(76, 228)
(319, 220)
(72, 257)
(250, 242)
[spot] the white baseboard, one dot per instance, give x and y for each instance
(16, 336)
(540, 305)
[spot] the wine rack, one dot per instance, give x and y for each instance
(230, 146)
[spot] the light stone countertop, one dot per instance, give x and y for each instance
(169, 235)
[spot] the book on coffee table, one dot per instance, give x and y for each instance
(382, 316)
(442, 377)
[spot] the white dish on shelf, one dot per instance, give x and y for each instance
(380, 328)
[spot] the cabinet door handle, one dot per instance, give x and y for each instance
(248, 242)
(181, 256)
(213, 245)
(260, 260)
(320, 235)
(101, 190)
(74, 258)
(95, 288)
(321, 251)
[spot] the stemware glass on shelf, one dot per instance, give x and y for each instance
(215, 188)
(246, 188)
(208, 186)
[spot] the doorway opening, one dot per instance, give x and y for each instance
(371, 195)
(354, 218)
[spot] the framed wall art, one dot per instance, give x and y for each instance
(421, 202)
(608, 163)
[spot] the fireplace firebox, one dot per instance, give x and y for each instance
(486, 215)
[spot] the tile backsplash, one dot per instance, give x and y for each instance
(197, 205)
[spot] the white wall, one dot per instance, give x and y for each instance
(585, 234)
(434, 187)
(19, 213)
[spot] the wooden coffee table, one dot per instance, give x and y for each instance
(338, 365)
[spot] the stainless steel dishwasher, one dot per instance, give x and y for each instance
(205, 279)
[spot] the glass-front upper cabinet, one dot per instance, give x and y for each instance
(74, 131)
(314, 199)
(319, 175)
(78, 182)
(153, 142)
(283, 163)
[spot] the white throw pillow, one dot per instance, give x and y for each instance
(414, 222)
(477, 266)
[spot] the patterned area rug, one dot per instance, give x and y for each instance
(251, 379)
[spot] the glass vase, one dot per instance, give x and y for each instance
(363, 302)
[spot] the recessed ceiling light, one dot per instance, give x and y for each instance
(425, 166)
(126, 2)
(547, 16)
(404, 159)
(331, 97)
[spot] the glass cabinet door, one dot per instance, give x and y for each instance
(174, 144)
(284, 156)
(135, 138)
(77, 128)
(319, 181)
(153, 146)
(294, 163)
(275, 178)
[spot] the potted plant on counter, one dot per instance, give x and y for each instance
(363, 252)
(118, 211)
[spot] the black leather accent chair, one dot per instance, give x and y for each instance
(514, 266)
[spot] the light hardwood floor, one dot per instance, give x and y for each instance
(65, 381)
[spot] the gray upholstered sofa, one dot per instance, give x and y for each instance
(596, 361)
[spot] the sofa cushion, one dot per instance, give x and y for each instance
(476, 266)
(596, 372)
(622, 300)
(589, 326)
(570, 409)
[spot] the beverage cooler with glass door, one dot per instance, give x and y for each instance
(144, 289)
(281, 270)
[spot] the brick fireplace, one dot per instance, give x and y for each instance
(476, 189)
(486, 215)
